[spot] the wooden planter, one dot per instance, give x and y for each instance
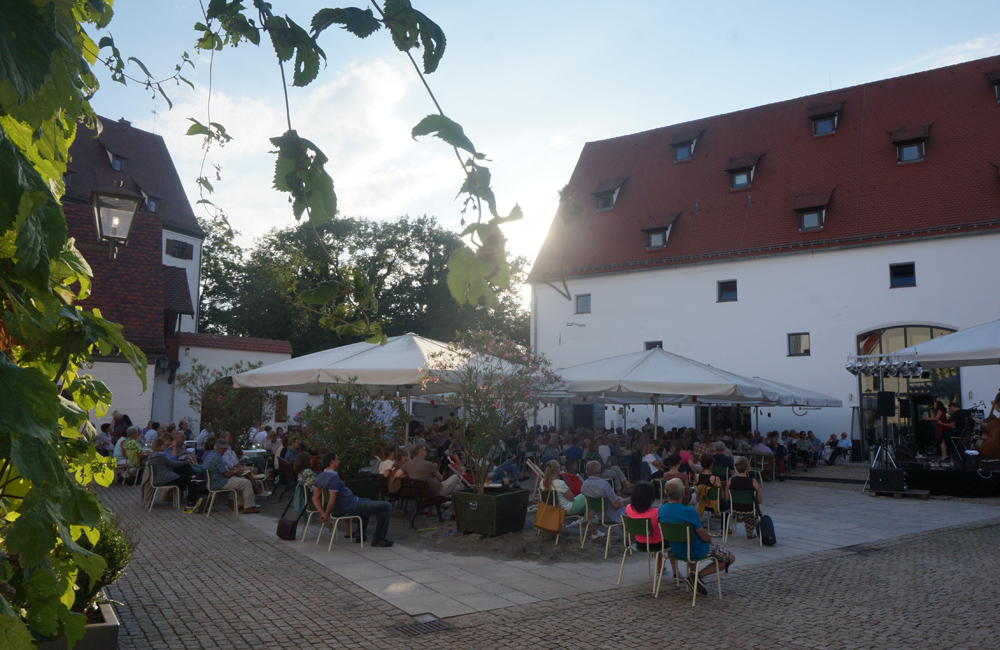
(497, 512)
(98, 636)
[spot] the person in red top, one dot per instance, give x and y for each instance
(641, 507)
(573, 481)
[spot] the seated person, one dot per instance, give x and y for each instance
(705, 481)
(761, 448)
(225, 478)
(674, 471)
(304, 476)
(342, 502)
(573, 504)
(675, 512)
(418, 468)
(572, 479)
(641, 507)
(551, 451)
(742, 481)
(103, 440)
(597, 488)
(168, 471)
(653, 462)
(843, 448)
(506, 473)
(574, 451)
(721, 458)
(128, 451)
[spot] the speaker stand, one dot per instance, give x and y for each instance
(887, 460)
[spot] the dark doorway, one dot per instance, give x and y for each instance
(583, 416)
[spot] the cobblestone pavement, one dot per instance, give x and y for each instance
(214, 582)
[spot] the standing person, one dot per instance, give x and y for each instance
(225, 478)
(343, 502)
(939, 416)
(675, 512)
(119, 424)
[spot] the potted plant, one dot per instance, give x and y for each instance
(356, 424)
(114, 546)
(492, 385)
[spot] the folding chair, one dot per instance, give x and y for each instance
(166, 488)
(746, 500)
(213, 493)
(461, 478)
(596, 505)
(681, 534)
(633, 527)
(539, 475)
(333, 521)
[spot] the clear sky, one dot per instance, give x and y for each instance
(531, 82)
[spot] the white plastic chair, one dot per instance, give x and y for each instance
(166, 488)
(212, 494)
(333, 522)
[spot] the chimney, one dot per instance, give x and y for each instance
(124, 121)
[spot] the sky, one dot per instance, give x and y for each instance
(530, 82)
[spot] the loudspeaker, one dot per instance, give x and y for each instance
(904, 407)
(887, 480)
(906, 453)
(886, 404)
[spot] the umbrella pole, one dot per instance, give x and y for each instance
(757, 413)
(409, 416)
(656, 415)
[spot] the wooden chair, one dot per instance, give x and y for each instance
(681, 534)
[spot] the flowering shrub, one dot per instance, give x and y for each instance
(493, 385)
(233, 410)
(354, 423)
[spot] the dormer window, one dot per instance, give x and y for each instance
(152, 204)
(910, 144)
(824, 119)
(117, 162)
(741, 172)
(67, 179)
(657, 238)
(606, 193)
(683, 145)
(812, 210)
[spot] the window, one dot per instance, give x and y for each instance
(798, 344)
(740, 179)
(657, 238)
(152, 204)
(654, 344)
(825, 125)
(68, 179)
(118, 164)
(727, 291)
(683, 151)
(811, 219)
(910, 152)
(995, 80)
(902, 275)
(583, 303)
(605, 201)
(182, 250)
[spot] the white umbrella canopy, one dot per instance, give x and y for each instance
(658, 373)
(974, 346)
(795, 396)
(399, 363)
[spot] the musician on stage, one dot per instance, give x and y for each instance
(958, 421)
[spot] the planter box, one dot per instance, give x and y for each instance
(98, 636)
(494, 513)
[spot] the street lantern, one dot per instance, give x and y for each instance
(114, 213)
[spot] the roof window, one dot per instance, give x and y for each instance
(824, 119)
(910, 144)
(683, 145)
(812, 210)
(741, 171)
(606, 193)
(995, 80)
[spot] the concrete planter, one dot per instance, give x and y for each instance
(494, 513)
(98, 636)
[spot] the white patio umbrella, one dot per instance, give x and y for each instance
(974, 346)
(396, 366)
(660, 376)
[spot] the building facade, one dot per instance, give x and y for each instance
(777, 241)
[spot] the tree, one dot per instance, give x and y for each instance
(260, 293)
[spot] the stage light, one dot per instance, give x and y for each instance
(851, 368)
(872, 367)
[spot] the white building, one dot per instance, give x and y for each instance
(777, 241)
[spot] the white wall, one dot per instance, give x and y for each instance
(193, 268)
(832, 295)
(126, 390)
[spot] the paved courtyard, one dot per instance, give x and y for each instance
(850, 571)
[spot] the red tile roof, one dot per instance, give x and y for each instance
(147, 169)
(128, 289)
(871, 197)
(233, 343)
(176, 291)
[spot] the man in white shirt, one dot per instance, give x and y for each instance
(843, 448)
(261, 436)
(206, 432)
(151, 433)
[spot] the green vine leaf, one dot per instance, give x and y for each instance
(409, 26)
(360, 22)
(467, 278)
(445, 128)
(301, 171)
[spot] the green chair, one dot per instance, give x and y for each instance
(711, 503)
(549, 497)
(661, 488)
(633, 527)
(596, 505)
(681, 534)
(721, 472)
(740, 502)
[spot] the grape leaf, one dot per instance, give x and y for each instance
(409, 26)
(360, 22)
(445, 128)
